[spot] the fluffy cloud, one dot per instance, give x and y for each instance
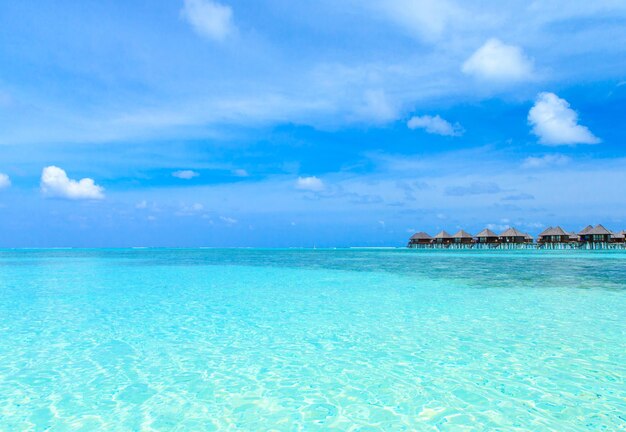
(5, 181)
(185, 174)
(545, 161)
(498, 61)
(435, 125)
(55, 183)
(209, 18)
(555, 123)
(312, 184)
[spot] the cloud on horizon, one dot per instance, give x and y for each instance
(312, 184)
(545, 161)
(185, 174)
(475, 188)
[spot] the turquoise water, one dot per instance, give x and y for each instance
(306, 340)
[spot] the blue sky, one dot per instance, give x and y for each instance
(292, 123)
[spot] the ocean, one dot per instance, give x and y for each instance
(312, 340)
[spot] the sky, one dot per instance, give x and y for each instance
(288, 123)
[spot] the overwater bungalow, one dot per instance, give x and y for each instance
(584, 231)
(442, 238)
(463, 237)
(421, 238)
(487, 236)
(554, 235)
(590, 237)
(597, 234)
(513, 236)
(619, 237)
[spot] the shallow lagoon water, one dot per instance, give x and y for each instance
(250, 339)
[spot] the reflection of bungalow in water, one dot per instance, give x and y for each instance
(514, 236)
(598, 234)
(463, 237)
(443, 238)
(554, 235)
(487, 236)
(420, 239)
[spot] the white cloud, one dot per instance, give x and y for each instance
(555, 123)
(313, 184)
(190, 210)
(533, 162)
(55, 183)
(427, 19)
(240, 173)
(498, 227)
(142, 204)
(5, 181)
(185, 174)
(435, 125)
(209, 18)
(376, 107)
(498, 61)
(228, 220)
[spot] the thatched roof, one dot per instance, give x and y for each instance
(486, 233)
(528, 237)
(599, 230)
(463, 234)
(556, 231)
(443, 235)
(513, 232)
(545, 232)
(585, 230)
(618, 235)
(421, 236)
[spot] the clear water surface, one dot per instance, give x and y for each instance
(306, 340)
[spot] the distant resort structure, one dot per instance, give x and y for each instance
(590, 237)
